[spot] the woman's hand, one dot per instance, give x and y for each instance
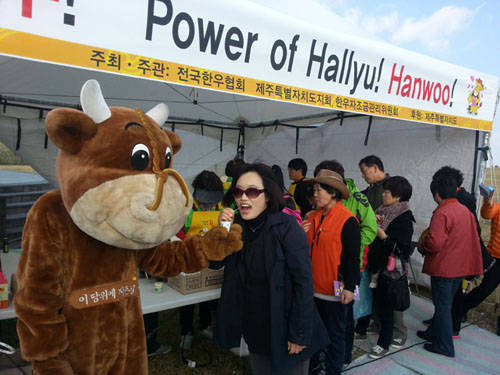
(346, 297)
(381, 233)
(306, 225)
(380, 219)
(294, 348)
(227, 214)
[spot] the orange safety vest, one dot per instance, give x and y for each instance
(326, 246)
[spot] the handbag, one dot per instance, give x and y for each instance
(394, 285)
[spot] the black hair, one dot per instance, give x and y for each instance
(332, 165)
(399, 188)
(448, 171)
(331, 190)
(297, 164)
(445, 186)
(372, 160)
(233, 166)
(272, 191)
(207, 180)
(278, 174)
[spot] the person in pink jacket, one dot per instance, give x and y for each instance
(452, 251)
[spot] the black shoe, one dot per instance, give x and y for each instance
(424, 335)
(430, 348)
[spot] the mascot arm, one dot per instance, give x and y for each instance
(171, 258)
(41, 324)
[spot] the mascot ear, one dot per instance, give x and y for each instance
(174, 139)
(69, 128)
(159, 114)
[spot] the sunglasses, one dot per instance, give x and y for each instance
(251, 193)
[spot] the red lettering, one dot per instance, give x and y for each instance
(446, 94)
(396, 78)
(405, 91)
(418, 88)
(27, 8)
(427, 90)
(415, 82)
(437, 97)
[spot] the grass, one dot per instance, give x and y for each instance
(217, 361)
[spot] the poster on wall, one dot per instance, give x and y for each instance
(242, 48)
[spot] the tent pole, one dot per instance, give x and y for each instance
(476, 152)
(297, 140)
(368, 130)
(18, 142)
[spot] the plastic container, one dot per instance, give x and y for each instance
(226, 224)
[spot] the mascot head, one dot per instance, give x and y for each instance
(115, 171)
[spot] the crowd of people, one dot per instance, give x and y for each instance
(313, 249)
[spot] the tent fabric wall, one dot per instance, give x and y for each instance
(197, 153)
(415, 152)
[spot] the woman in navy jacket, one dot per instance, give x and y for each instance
(267, 295)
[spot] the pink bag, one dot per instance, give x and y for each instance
(295, 213)
(391, 263)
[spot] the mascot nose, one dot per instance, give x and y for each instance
(161, 178)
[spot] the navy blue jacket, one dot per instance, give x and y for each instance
(293, 314)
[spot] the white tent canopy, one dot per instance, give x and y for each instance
(233, 73)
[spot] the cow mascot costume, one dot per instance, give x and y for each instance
(119, 202)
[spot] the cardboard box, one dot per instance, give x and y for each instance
(205, 279)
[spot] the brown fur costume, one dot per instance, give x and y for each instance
(112, 165)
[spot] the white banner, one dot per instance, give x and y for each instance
(239, 47)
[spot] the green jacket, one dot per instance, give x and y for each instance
(358, 204)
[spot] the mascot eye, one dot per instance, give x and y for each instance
(139, 159)
(168, 157)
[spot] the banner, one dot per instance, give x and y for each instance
(242, 48)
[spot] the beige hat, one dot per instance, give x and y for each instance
(331, 178)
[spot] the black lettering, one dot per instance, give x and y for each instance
(331, 71)
(183, 16)
(251, 39)
(278, 44)
(349, 68)
(316, 58)
(208, 36)
(152, 19)
(369, 85)
(293, 49)
(357, 76)
(230, 42)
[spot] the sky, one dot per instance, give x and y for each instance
(465, 33)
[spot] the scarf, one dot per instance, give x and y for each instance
(391, 212)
